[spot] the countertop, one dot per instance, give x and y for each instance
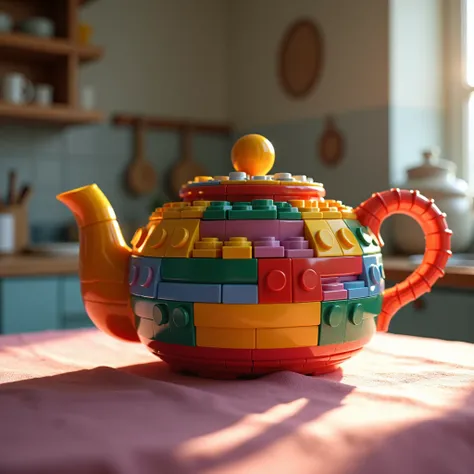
(396, 269)
(83, 402)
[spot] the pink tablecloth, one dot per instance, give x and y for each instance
(81, 402)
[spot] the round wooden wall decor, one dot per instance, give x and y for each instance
(331, 144)
(301, 58)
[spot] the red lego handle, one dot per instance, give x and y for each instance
(375, 210)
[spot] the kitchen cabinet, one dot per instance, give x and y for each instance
(443, 314)
(41, 303)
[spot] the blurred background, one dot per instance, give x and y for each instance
(351, 93)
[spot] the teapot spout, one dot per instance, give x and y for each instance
(103, 262)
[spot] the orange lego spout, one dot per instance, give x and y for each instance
(103, 262)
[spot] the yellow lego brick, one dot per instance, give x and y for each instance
(286, 338)
(237, 247)
(185, 234)
(202, 179)
(298, 203)
(172, 210)
(246, 316)
(346, 239)
(158, 238)
(332, 213)
(311, 213)
(208, 247)
(225, 338)
(321, 238)
(221, 178)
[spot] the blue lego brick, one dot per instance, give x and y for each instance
(165, 321)
(372, 273)
(144, 276)
(356, 289)
(240, 294)
(190, 292)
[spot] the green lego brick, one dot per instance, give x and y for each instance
(217, 210)
(287, 212)
(209, 270)
(333, 322)
(365, 237)
(171, 322)
(258, 209)
(361, 317)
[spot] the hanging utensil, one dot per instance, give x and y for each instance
(141, 175)
(185, 169)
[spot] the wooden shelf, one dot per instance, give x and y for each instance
(43, 48)
(57, 114)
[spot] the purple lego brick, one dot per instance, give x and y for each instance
(252, 229)
(268, 247)
(334, 291)
(144, 276)
(299, 253)
(295, 243)
(212, 229)
(290, 229)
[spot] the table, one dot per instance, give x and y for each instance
(80, 402)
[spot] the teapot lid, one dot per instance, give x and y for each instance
(433, 166)
(252, 157)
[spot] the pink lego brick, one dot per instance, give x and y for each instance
(334, 291)
(347, 278)
(299, 253)
(268, 252)
(327, 280)
(290, 229)
(252, 229)
(212, 229)
(295, 243)
(268, 247)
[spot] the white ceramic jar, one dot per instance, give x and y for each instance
(436, 179)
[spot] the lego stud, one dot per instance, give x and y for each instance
(180, 317)
(309, 279)
(364, 236)
(356, 314)
(157, 238)
(374, 274)
(180, 237)
(139, 237)
(346, 238)
(148, 278)
(253, 154)
(160, 314)
(324, 239)
(334, 315)
(276, 280)
(133, 275)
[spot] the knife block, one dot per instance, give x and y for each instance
(21, 230)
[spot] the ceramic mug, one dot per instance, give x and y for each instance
(6, 23)
(38, 26)
(17, 89)
(44, 94)
(87, 98)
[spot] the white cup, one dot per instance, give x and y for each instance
(17, 89)
(44, 94)
(87, 100)
(7, 233)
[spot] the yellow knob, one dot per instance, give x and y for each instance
(253, 154)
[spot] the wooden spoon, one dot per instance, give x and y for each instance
(186, 169)
(141, 176)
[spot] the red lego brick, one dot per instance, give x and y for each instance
(203, 193)
(255, 190)
(337, 266)
(306, 280)
(292, 353)
(274, 280)
(200, 352)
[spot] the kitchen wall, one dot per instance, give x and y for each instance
(162, 58)
(216, 60)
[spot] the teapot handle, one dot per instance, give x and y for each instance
(375, 210)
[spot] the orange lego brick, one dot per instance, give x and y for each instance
(237, 247)
(247, 316)
(225, 338)
(285, 338)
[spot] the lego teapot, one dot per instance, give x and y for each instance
(436, 179)
(250, 273)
